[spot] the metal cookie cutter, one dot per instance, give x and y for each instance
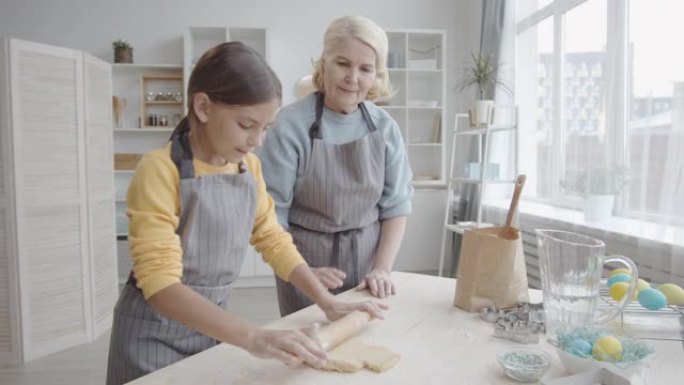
(523, 311)
(522, 323)
(513, 332)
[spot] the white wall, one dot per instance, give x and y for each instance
(155, 28)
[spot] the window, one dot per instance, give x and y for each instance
(589, 98)
(655, 124)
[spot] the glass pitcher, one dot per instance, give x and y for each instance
(571, 266)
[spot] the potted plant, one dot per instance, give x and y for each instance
(598, 186)
(123, 52)
(483, 74)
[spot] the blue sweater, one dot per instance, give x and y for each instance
(287, 149)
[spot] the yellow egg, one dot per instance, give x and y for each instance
(641, 285)
(607, 348)
(618, 290)
(622, 270)
(673, 293)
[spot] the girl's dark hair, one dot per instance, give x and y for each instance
(234, 74)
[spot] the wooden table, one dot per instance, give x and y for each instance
(438, 344)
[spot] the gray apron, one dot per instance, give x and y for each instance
(216, 218)
(334, 215)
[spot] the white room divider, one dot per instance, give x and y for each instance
(57, 241)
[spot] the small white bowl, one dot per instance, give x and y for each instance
(524, 371)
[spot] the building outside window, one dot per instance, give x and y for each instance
(598, 86)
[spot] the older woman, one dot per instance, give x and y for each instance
(336, 166)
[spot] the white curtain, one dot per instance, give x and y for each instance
(647, 222)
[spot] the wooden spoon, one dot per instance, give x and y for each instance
(519, 183)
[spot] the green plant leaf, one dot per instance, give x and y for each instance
(483, 74)
(120, 43)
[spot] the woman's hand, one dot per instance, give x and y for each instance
(335, 309)
(330, 277)
(291, 347)
(379, 283)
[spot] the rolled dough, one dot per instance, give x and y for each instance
(354, 354)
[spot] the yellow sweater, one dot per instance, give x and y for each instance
(154, 208)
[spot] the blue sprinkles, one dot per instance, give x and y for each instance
(521, 358)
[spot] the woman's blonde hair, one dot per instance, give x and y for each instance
(369, 33)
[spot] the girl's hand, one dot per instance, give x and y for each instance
(379, 282)
(292, 347)
(335, 309)
(330, 277)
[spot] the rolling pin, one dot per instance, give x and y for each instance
(336, 332)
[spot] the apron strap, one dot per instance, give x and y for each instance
(181, 154)
(335, 258)
(132, 280)
(242, 167)
(367, 118)
(315, 129)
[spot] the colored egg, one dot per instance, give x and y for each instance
(641, 285)
(580, 347)
(607, 348)
(618, 290)
(622, 270)
(673, 293)
(652, 299)
(618, 278)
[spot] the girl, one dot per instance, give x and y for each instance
(194, 205)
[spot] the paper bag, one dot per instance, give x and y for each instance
(491, 269)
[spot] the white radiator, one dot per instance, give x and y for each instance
(529, 240)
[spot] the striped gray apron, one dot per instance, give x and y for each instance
(334, 215)
(216, 218)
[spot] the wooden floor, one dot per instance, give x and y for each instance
(87, 364)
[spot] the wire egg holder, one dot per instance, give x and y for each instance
(666, 324)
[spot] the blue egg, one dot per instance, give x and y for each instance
(618, 278)
(580, 347)
(652, 299)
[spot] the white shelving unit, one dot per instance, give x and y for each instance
(198, 40)
(477, 175)
(417, 70)
(163, 104)
(127, 85)
(135, 136)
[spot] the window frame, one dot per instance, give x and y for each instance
(617, 98)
